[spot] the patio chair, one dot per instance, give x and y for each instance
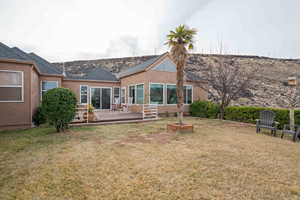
(266, 120)
(295, 133)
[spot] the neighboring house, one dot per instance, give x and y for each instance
(24, 78)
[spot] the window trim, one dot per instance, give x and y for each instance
(114, 93)
(191, 97)
(164, 93)
(41, 86)
(87, 94)
(135, 95)
(124, 95)
(100, 87)
(22, 86)
(165, 102)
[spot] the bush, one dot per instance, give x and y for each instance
(250, 114)
(59, 105)
(39, 116)
(205, 109)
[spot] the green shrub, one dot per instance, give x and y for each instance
(59, 105)
(39, 116)
(205, 109)
(250, 114)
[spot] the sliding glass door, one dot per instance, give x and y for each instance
(101, 98)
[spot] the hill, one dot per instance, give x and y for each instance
(268, 86)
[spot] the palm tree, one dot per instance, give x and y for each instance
(180, 41)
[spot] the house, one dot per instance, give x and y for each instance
(25, 77)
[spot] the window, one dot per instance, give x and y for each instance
(131, 96)
(140, 94)
(171, 94)
(117, 95)
(187, 93)
(11, 86)
(48, 85)
(123, 94)
(83, 94)
(156, 93)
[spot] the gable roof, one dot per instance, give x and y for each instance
(17, 54)
(44, 66)
(140, 67)
(7, 53)
(96, 74)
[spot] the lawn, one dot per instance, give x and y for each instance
(220, 160)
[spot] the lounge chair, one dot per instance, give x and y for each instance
(267, 120)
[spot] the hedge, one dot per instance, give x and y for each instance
(250, 114)
(204, 109)
(246, 114)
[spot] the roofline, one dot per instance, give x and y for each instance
(28, 63)
(88, 80)
(159, 59)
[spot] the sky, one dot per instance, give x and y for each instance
(65, 30)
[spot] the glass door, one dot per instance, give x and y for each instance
(105, 98)
(101, 98)
(95, 97)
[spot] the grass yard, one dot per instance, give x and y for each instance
(221, 160)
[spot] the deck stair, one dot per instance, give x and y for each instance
(150, 111)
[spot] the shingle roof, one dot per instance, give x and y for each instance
(44, 65)
(17, 54)
(8, 53)
(139, 68)
(97, 74)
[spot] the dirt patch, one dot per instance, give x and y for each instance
(158, 138)
(238, 124)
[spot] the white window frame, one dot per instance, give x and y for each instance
(41, 86)
(114, 94)
(87, 94)
(22, 86)
(192, 95)
(143, 93)
(124, 95)
(166, 103)
(164, 93)
(100, 87)
(135, 95)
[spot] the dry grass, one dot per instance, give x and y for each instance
(221, 160)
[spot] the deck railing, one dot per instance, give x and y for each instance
(150, 111)
(81, 114)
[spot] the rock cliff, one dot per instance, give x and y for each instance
(267, 88)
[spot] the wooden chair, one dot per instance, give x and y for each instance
(267, 120)
(295, 133)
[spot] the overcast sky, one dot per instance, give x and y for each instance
(63, 30)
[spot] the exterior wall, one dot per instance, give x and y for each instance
(153, 76)
(14, 115)
(35, 91)
(75, 86)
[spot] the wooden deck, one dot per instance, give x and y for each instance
(105, 116)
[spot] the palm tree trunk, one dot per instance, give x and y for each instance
(179, 90)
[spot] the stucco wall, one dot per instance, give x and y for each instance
(17, 114)
(35, 91)
(153, 76)
(75, 85)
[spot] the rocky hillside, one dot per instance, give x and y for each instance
(267, 89)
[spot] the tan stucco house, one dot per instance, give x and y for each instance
(25, 77)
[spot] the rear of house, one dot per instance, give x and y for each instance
(25, 77)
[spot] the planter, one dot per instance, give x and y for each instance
(91, 116)
(177, 128)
